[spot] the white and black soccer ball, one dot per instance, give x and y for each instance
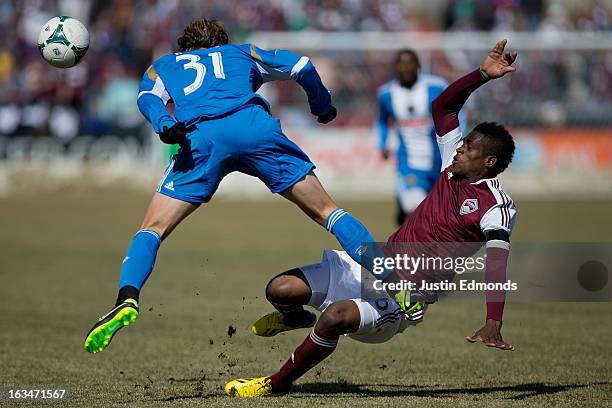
(63, 41)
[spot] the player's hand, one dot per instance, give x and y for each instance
(328, 117)
(385, 154)
(498, 63)
(490, 335)
(177, 134)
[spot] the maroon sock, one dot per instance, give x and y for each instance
(311, 352)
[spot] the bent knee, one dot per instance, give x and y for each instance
(287, 289)
(340, 318)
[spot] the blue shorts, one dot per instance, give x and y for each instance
(250, 141)
(409, 178)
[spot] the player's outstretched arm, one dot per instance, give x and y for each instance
(445, 108)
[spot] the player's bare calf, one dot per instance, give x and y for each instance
(288, 293)
(333, 287)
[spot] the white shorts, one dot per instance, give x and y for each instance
(338, 277)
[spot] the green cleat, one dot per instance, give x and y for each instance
(412, 303)
(275, 323)
(100, 336)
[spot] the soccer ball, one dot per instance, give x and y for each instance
(63, 41)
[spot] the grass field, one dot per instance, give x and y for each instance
(59, 269)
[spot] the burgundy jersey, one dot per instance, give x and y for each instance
(457, 210)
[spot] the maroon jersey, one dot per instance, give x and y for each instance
(457, 210)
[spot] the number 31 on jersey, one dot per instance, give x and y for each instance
(200, 69)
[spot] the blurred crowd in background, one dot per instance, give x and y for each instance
(98, 96)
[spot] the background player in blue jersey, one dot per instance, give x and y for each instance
(222, 126)
(405, 103)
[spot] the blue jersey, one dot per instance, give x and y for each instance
(408, 110)
(211, 83)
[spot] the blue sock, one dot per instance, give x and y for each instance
(355, 239)
(138, 263)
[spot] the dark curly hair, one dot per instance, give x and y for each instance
(499, 143)
(202, 34)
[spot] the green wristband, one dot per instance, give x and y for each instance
(484, 75)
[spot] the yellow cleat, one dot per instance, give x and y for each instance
(274, 323)
(249, 388)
